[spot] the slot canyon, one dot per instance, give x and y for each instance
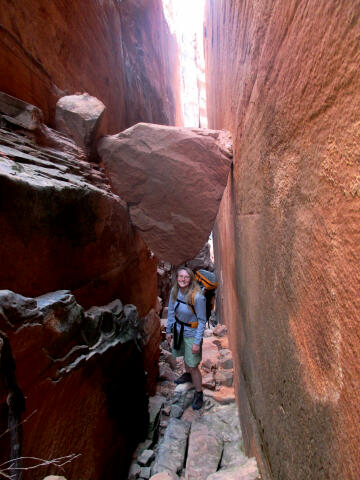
(105, 190)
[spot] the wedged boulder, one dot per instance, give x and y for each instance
(79, 117)
(172, 180)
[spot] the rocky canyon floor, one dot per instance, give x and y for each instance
(195, 445)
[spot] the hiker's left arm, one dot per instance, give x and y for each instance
(200, 309)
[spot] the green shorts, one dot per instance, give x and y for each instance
(191, 359)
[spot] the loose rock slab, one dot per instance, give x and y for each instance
(173, 180)
(172, 449)
(247, 471)
(204, 453)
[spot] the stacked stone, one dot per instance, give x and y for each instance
(195, 445)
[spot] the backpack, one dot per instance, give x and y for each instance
(208, 283)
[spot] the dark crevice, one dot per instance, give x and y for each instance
(11, 441)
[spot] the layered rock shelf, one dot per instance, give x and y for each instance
(61, 225)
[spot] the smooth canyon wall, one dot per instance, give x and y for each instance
(119, 52)
(283, 78)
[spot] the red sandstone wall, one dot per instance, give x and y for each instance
(48, 48)
(122, 53)
(283, 77)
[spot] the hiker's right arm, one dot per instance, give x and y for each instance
(171, 317)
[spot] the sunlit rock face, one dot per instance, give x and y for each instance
(120, 52)
(282, 78)
(172, 180)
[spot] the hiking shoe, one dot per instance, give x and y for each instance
(185, 377)
(198, 400)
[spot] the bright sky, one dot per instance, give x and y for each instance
(188, 15)
(185, 19)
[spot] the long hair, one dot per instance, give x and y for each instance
(191, 290)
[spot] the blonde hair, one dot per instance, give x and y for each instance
(191, 290)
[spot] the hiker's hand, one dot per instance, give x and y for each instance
(195, 348)
(169, 338)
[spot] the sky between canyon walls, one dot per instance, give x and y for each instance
(185, 19)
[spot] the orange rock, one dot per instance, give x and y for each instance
(224, 396)
(220, 330)
(287, 232)
(210, 353)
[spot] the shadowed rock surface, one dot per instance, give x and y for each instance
(82, 374)
(172, 180)
(61, 225)
(202, 260)
(286, 235)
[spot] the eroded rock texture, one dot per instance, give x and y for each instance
(283, 78)
(82, 376)
(172, 179)
(120, 52)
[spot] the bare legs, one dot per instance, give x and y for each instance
(195, 376)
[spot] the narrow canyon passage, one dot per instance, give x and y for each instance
(108, 183)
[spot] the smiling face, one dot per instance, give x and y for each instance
(183, 279)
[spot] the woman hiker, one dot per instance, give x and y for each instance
(187, 319)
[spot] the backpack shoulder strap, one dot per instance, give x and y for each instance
(190, 305)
